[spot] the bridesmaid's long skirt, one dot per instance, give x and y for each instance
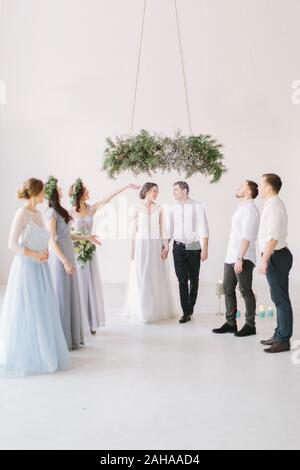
(92, 293)
(31, 335)
(66, 288)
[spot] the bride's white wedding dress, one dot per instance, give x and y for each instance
(149, 296)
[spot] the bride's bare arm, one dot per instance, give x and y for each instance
(163, 235)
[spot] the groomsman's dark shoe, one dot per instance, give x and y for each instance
(268, 342)
(278, 348)
(247, 330)
(226, 328)
(185, 318)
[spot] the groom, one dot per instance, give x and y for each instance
(189, 230)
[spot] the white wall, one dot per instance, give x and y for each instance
(69, 67)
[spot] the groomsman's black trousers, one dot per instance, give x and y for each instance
(279, 267)
(187, 268)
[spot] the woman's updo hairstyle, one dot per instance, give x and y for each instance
(146, 188)
(31, 188)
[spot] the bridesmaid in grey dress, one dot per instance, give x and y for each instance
(89, 274)
(63, 266)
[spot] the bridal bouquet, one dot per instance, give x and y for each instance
(84, 250)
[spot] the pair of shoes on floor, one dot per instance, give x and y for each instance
(247, 330)
(185, 318)
(276, 346)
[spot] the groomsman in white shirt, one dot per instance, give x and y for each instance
(276, 260)
(189, 230)
(240, 261)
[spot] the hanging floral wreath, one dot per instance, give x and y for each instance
(147, 153)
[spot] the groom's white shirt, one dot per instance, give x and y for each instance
(188, 222)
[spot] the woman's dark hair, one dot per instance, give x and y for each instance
(253, 188)
(146, 188)
(274, 181)
(54, 202)
(79, 195)
(32, 187)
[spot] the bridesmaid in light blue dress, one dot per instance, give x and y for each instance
(89, 274)
(63, 266)
(32, 339)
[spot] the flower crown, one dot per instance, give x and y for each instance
(76, 190)
(49, 187)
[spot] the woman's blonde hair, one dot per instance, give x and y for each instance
(32, 187)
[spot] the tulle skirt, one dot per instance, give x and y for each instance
(31, 335)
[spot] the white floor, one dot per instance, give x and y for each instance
(167, 386)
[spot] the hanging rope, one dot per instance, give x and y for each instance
(1, 8)
(183, 69)
(2, 83)
(139, 63)
(138, 67)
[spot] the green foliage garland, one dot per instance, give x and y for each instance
(147, 153)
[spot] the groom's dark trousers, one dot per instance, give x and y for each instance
(187, 267)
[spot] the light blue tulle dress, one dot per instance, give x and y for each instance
(31, 335)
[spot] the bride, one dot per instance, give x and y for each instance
(149, 297)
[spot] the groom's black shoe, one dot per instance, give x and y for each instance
(226, 328)
(185, 318)
(247, 330)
